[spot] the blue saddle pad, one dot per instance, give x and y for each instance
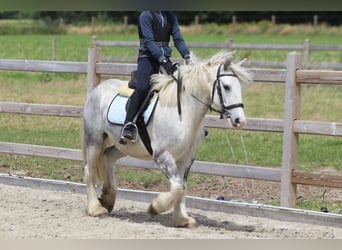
(117, 110)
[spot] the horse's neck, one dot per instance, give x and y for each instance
(196, 106)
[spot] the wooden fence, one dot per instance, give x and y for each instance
(291, 126)
(306, 49)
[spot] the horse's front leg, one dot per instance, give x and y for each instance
(180, 215)
(165, 201)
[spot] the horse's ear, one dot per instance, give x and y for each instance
(242, 61)
(227, 64)
(245, 59)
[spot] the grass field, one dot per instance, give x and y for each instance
(322, 103)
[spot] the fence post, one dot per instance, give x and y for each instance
(233, 22)
(94, 56)
(306, 58)
(61, 22)
(126, 22)
(273, 20)
(93, 41)
(315, 20)
(230, 44)
(234, 19)
(196, 20)
(53, 49)
(93, 24)
(290, 138)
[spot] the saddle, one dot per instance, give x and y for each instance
(117, 114)
(117, 110)
(134, 80)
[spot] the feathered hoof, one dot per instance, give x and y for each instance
(152, 211)
(191, 226)
(188, 226)
(188, 222)
(98, 212)
(106, 205)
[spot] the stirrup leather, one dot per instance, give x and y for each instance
(135, 134)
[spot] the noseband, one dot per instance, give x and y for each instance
(225, 110)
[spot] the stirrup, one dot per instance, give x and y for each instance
(134, 132)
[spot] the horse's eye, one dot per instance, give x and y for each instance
(226, 87)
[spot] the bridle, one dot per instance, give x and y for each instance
(225, 110)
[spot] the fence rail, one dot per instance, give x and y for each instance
(253, 124)
(306, 49)
(43, 66)
(291, 126)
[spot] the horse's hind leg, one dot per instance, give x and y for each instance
(92, 176)
(109, 189)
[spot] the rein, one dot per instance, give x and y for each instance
(179, 82)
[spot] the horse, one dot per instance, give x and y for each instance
(213, 83)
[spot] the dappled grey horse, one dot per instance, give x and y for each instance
(213, 83)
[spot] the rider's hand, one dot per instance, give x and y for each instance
(168, 66)
(187, 59)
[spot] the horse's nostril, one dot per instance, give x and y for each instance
(237, 120)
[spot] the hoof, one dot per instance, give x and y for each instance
(98, 212)
(191, 226)
(185, 222)
(105, 204)
(152, 211)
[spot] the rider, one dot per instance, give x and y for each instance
(155, 29)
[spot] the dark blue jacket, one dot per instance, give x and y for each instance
(148, 35)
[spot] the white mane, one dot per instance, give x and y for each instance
(197, 78)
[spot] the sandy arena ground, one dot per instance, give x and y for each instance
(27, 213)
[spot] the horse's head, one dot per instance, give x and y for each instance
(214, 82)
(227, 92)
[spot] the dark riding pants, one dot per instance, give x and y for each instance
(146, 67)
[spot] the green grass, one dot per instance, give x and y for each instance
(321, 103)
(73, 47)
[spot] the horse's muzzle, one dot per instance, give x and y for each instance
(236, 119)
(239, 123)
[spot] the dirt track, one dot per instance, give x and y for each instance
(27, 213)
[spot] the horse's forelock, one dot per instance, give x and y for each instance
(241, 72)
(226, 57)
(221, 57)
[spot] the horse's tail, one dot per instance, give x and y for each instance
(84, 150)
(99, 163)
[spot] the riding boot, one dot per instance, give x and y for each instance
(129, 130)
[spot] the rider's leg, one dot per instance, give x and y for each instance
(146, 67)
(129, 129)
